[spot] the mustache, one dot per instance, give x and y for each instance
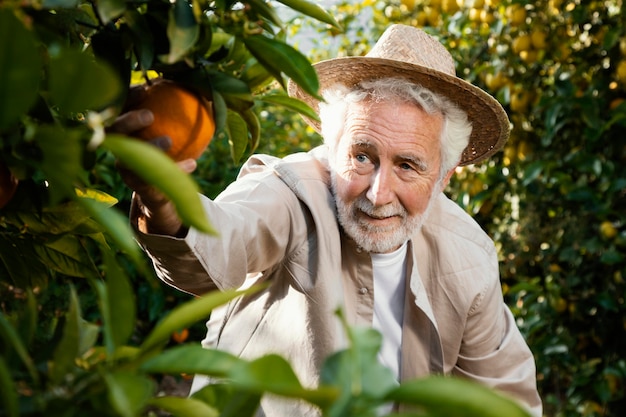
(389, 210)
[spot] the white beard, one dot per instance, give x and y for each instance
(377, 239)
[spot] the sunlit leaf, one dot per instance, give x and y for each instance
(282, 58)
(446, 396)
(188, 314)
(311, 9)
(20, 68)
(192, 359)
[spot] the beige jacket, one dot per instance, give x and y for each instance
(277, 223)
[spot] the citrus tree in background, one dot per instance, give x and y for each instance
(80, 332)
(555, 199)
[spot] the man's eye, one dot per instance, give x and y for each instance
(406, 167)
(361, 158)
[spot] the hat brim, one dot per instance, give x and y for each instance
(490, 123)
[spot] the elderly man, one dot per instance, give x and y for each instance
(361, 224)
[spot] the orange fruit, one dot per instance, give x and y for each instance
(179, 113)
(8, 185)
(180, 336)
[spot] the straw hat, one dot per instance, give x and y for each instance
(407, 52)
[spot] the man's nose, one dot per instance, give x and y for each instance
(380, 191)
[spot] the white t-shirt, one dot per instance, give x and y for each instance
(389, 288)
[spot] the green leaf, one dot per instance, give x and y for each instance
(230, 400)
(220, 110)
(8, 393)
(237, 131)
(446, 396)
(20, 68)
(129, 393)
(290, 103)
(156, 168)
(254, 128)
(89, 334)
(268, 373)
(78, 82)
(182, 31)
(66, 254)
(272, 373)
(20, 261)
(122, 310)
(54, 220)
(61, 4)
(11, 338)
(62, 159)
(66, 351)
(117, 227)
(278, 57)
(265, 10)
(228, 85)
(255, 75)
(142, 38)
(184, 407)
(110, 9)
(311, 9)
(191, 359)
(188, 314)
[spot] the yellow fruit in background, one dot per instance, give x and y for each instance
(409, 4)
(520, 101)
(607, 230)
(449, 6)
(474, 15)
(495, 81)
(516, 14)
(538, 38)
(486, 16)
(523, 150)
(620, 72)
(522, 43)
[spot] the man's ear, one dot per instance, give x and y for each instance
(446, 179)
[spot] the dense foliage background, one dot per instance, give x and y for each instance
(554, 201)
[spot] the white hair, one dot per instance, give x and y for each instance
(456, 126)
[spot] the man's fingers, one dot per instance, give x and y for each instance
(132, 121)
(188, 165)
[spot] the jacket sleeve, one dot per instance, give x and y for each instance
(258, 220)
(494, 352)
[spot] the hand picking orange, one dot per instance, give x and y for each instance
(179, 113)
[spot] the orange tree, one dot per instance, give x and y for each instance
(555, 199)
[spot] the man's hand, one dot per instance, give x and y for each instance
(159, 213)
